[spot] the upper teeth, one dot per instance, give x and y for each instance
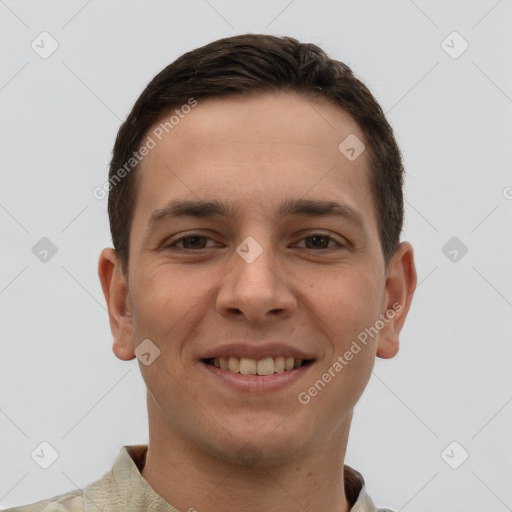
(248, 366)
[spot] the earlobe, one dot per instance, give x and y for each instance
(388, 344)
(115, 290)
(399, 289)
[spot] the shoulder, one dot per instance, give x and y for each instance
(69, 502)
(100, 495)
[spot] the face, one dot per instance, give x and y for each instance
(255, 240)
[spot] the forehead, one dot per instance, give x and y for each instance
(249, 121)
(253, 150)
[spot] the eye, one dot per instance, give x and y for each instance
(189, 243)
(320, 241)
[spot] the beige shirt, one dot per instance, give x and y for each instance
(123, 489)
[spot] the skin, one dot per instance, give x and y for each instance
(315, 296)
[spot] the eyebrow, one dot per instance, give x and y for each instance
(288, 208)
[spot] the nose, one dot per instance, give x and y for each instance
(256, 290)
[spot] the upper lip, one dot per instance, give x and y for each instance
(255, 351)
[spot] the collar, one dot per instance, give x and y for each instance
(124, 486)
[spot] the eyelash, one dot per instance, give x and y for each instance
(172, 246)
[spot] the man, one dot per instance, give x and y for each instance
(255, 205)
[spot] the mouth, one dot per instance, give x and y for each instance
(257, 367)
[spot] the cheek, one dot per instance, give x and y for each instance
(347, 301)
(354, 309)
(171, 289)
(162, 299)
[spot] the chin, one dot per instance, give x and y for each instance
(254, 441)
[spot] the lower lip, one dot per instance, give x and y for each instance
(257, 383)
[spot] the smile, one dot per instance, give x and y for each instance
(261, 367)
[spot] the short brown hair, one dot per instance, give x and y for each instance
(251, 63)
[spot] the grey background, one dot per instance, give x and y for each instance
(451, 381)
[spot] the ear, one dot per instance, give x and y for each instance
(115, 289)
(400, 284)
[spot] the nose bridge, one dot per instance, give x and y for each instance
(254, 263)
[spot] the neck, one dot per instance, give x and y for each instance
(193, 479)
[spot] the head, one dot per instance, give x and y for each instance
(244, 227)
